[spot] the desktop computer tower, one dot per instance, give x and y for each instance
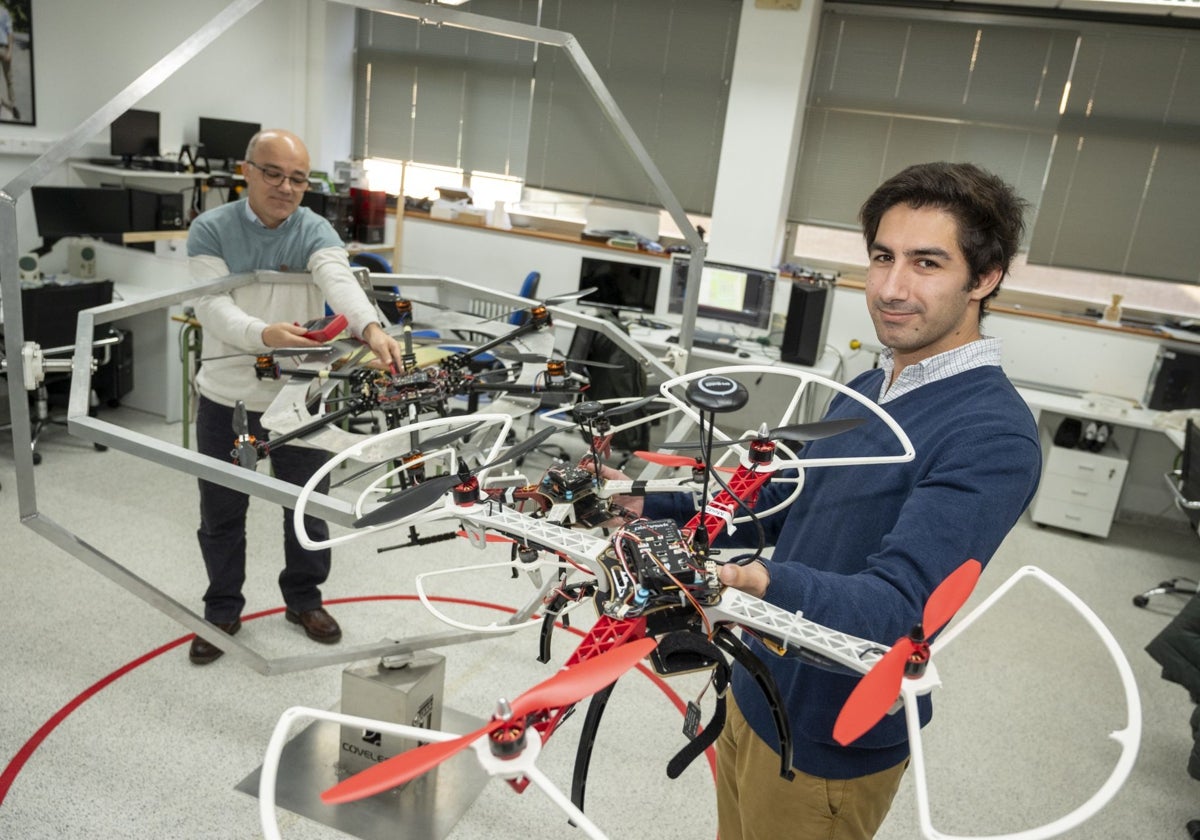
(370, 212)
(1174, 381)
(807, 319)
(155, 209)
(335, 208)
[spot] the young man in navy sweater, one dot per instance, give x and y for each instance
(863, 547)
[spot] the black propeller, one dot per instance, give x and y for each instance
(394, 297)
(415, 499)
(244, 449)
(801, 432)
(567, 297)
(553, 300)
(589, 410)
(536, 358)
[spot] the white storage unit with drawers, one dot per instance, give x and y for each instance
(1080, 490)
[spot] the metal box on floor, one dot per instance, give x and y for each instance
(411, 695)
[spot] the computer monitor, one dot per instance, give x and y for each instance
(50, 312)
(134, 134)
(731, 293)
(99, 212)
(620, 286)
(225, 141)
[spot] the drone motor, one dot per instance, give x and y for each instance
(265, 366)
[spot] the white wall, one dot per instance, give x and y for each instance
(258, 71)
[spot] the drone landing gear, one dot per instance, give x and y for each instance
(325, 753)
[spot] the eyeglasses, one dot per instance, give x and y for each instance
(275, 177)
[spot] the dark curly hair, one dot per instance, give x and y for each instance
(990, 215)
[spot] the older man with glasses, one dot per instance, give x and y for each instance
(267, 230)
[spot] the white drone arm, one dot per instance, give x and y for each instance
(580, 546)
(793, 630)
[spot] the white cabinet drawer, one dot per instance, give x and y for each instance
(1089, 466)
(1079, 491)
(1086, 520)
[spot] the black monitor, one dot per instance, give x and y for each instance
(620, 286)
(731, 293)
(99, 212)
(225, 141)
(134, 134)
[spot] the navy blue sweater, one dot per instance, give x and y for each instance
(862, 547)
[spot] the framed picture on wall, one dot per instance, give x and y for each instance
(16, 63)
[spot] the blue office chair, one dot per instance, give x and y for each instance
(529, 288)
(372, 262)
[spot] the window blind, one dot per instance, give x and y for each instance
(1123, 192)
(667, 64)
(1096, 123)
(480, 102)
(890, 91)
(444, 96)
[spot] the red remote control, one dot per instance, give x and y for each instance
(325, 329)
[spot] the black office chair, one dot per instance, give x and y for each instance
(1185, 486)
(49, 314)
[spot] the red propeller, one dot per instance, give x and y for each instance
(666, 460)
(565, 688)
(879, 687)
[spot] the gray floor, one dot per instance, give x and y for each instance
(1019, 737)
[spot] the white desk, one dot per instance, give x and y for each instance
(1102, 409)
(1143, 495)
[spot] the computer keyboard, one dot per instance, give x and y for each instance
(705, 340)
(725, 344)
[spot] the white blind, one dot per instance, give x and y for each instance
(442, 95)
(890, 91)
(481, 102)
(667, 64)
(1097, 125)
(1123, 194)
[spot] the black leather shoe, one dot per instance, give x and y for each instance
(203, 651)
(318, 624)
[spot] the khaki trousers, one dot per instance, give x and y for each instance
(755, 803)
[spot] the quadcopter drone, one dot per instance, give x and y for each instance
(423, 386)
(654, 584)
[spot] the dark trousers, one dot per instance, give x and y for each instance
(222, 531)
